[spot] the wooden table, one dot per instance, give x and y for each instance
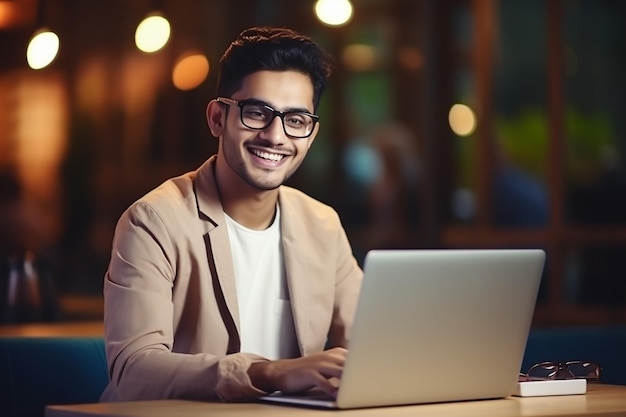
(600, 400)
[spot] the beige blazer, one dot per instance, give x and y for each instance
(171, 317)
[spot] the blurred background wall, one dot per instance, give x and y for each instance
(447, 124)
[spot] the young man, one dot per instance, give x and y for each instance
(224, 283)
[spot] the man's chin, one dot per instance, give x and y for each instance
(264, 185)
(263, 179)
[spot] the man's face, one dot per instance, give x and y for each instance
(265, 159)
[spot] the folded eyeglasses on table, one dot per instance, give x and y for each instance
(549, 370)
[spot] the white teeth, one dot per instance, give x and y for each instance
(266, 155)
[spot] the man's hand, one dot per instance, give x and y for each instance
(320, 371)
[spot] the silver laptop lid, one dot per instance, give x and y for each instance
(440, 325)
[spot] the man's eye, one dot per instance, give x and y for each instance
(255, 113)
(296, 120)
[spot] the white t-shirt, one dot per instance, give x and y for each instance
(265, 314)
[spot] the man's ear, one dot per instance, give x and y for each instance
(215, 117)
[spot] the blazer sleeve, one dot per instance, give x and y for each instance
(348, 278)
(139, 322)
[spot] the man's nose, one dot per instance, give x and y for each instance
(275, 132)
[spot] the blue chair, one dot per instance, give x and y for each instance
(605, 345)
(38, 371)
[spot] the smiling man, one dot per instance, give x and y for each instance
(223, 282)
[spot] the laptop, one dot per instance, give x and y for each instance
(436, 326)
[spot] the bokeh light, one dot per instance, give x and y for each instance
(152, 33)
(359, 57)
(190, 71)
(42, 49)
(462, 120)
(333, 12)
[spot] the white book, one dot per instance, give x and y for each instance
(552, 387)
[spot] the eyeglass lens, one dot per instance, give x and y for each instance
(259, 116)
(567, 370)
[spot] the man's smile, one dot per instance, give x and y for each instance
(267, 155)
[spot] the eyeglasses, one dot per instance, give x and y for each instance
(258, 115)
(543, 371)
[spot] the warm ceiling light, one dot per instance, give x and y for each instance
(462, 120)
(42, 49)
(152, 33)
(333, 12)
(190, 71)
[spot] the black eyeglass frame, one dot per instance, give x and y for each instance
(275, 113)
(563, 370)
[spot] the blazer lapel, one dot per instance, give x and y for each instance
(295, 267)
(219, 255)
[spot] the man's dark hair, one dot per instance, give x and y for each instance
(272, 49)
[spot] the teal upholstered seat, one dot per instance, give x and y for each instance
(603, 344)
(37, 371)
